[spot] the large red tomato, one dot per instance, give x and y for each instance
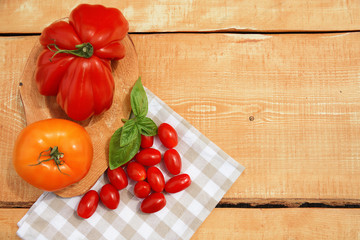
(75, 63)
(52, 154)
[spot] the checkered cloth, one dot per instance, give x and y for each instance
(212, 172)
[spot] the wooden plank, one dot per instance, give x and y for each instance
(9, 217)
(13, 56)
(301, 90)
(189, 15)
(284, 223)
(285, 106)
(293, 223)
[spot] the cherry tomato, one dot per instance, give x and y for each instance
(178, 183)
(172, 161)
(52, 154)
(110, 196)
(153, 203)
(148, 157)
(136, 171)
(156, 179)
(88, 204)
(142, 189)
(167, 135)
(147, 141)
(117, 178)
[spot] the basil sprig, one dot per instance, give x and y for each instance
(125, 142)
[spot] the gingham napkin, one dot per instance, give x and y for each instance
(212, 172)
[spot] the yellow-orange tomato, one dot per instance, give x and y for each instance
(52, 154)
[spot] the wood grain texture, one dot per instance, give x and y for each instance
(189, 15)
(301, 90)
(281, 224)
(14, 52)
(285, 223)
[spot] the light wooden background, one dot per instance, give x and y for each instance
(275, 84)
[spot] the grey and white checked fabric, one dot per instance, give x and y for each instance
(212, 172)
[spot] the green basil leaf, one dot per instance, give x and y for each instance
(121, 155)
(129, 132)
(147, 126)
(138, 99)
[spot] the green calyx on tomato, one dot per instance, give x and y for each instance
(84, 50)
(54, 154)
(125, 142)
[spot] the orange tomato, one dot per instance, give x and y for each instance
(52, 154)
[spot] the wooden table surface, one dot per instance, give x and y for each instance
(274, 83)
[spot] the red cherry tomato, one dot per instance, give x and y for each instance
(178, 183)
(168, 136)
(147, 141)
(117, 178)
(153, 203)
(148, 157)
(172, 161)
(142, 189)
(156, 179)
(136, 171)
(110, 196)
(88, 204)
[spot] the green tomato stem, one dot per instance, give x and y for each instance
(53, 154)
(84, 50)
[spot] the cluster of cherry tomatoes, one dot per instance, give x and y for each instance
(150, 181)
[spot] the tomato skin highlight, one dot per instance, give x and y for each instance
(167, 135)
(117, 178)
(71, 139)
(178, 183)
(172, 161)
(148, 157)
(153, 203)
(146, 141)
(142, 189)
(155, 179)
(88, 204)
(136, 171)
(110, 196)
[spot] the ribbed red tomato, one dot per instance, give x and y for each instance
(153, 203)
(75, 63)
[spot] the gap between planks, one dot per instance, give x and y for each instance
(251, 203)
(220, 31)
